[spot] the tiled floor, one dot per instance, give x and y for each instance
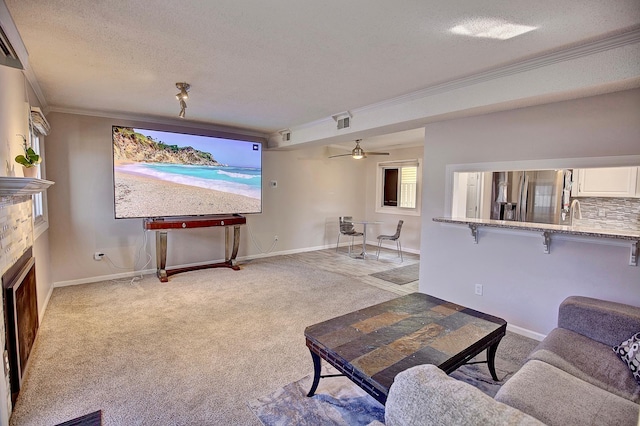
(342, 263)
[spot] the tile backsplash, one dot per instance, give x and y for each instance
(619, 213)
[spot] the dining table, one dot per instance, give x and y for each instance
(364, 223)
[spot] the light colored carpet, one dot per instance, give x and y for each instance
(191, 351)
(402, 275)
(339, 402)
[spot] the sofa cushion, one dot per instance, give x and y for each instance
(425, 395)
(588, 360)
(607, 322)
(629, 352)
(555, 397)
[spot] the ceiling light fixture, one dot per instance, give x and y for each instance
(357, 152)
(490, 28)
(182, 97)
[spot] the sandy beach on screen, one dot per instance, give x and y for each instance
(140, 196)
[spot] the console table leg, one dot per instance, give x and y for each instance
(231, 249)
(227, 245)
(161, 255)
(236, 243)
(317, 369)
(491, 359)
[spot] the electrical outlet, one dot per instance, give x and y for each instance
(479, 289)
(275, 238)
(602, 212)
(98, 256)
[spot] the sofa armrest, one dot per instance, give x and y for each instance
(606, 322)
(425, 395)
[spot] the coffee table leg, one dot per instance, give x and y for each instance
(317, 369)
(491, 359)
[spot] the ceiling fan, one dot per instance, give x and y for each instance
(358, 153)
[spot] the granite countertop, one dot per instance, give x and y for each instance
(619, 234)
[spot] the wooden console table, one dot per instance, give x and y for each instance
(161, 226)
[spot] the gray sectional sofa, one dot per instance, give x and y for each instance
(573, 377)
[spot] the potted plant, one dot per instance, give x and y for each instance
(29, 160)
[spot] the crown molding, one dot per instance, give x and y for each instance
(33, 82)
(627, 37)
(631, 36)
(159, 120)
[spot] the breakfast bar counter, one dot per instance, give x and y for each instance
(547, 230)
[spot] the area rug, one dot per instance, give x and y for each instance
(401, 275)
(339, 402)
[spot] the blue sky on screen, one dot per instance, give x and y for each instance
(226, 151)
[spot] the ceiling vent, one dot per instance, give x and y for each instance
(8, 55)
(343, 123)
(343, 119)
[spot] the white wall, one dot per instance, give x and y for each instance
(521, 284)
(302, 210)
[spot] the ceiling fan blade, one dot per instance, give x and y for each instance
(340, 155)
(377, 153)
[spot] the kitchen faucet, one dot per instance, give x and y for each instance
(575, 207)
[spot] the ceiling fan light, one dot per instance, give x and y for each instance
(184, 91)
(357, 153)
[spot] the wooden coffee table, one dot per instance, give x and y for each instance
(372, 345)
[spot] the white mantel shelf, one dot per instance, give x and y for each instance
(20, 186)
(548, 230)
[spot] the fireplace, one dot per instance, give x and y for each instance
(21, 317)
(19, 310)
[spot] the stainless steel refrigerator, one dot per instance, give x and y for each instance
(529, 196)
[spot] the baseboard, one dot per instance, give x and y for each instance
(132, 274)
(99, 278)
(285, 252)
(393, 247)
(369, 243)
(43, 308)
(525, 332)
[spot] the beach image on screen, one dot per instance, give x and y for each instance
(162, 174)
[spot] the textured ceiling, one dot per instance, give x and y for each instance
(267, 65)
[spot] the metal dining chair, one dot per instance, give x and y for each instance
(347, 228)
(395, 237)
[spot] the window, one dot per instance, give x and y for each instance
(39, 127)
(398, 187)
(37, 198)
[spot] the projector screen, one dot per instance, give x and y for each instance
(164, 174)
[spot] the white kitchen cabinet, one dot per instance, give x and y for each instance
(606, 182)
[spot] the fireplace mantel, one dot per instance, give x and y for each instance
(20, 186)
